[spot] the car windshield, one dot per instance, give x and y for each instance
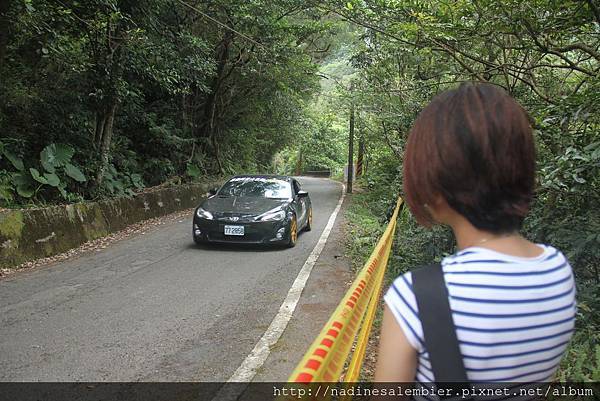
(257, 187)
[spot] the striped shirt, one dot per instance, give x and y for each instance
(514, 316)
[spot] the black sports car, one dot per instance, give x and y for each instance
(259, 209)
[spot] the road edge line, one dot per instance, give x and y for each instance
(249, 367)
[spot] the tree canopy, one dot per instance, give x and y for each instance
(545, 54)
(137, 93)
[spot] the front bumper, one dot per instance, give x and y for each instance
(263, 232)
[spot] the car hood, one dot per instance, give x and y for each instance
(242, 205)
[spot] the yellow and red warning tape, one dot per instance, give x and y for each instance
(325, 359)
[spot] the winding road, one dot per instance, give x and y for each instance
(152, 307)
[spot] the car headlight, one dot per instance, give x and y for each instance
(204, 214)
(272, 216)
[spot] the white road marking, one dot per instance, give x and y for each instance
(247, 370)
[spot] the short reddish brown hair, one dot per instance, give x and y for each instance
(474, 147)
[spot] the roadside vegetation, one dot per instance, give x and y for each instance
(102, 98)
(546, 55)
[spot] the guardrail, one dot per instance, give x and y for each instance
(317, 173)
(325, 359)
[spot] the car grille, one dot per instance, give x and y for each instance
(234, 217)
(248, 237)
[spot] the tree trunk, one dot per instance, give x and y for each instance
(361, 153)
(215, 144)
(4, 28)
(210, 105)
(100, 124)
(103, 139)
(184, 114)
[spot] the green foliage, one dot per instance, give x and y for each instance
(121, 183)
(153, 89)
(365, 229)
(319, 145)
(56, 155)
(193, 170)
(16, 161)
(74, 173)
(582, 361)
(322, 134)
(545, 55)
(23, 184)
(47, 179)
(6, 188)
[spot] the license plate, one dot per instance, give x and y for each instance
(234, 230)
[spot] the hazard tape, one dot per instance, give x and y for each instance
(325, 359)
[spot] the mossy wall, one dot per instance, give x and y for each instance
(30, 234)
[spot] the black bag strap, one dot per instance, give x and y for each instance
(438, 327)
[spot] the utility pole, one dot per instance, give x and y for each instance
(350, 147)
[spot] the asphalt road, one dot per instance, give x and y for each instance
(154, 307)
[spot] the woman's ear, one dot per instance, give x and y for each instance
(439, 210)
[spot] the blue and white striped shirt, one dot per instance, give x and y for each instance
(514, 316)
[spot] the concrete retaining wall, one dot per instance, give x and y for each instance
(318, 173)
(30, 234)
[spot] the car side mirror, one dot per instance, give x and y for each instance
(302, 194)
(212, 191)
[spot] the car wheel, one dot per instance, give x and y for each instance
(198, 241)
(293, 238)
(308, 225)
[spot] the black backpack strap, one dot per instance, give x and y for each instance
(438, 327)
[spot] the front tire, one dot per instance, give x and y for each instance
(308, 225)
(198, 240)
(293, 236)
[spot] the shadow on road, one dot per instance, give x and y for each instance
(239, 247)
(224, 247)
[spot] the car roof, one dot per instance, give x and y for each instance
(271, 176)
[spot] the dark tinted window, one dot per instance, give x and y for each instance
(257, 186)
